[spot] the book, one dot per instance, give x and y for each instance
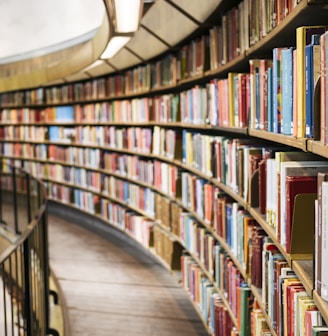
(324, 241)
(276, 89)
(312, 318)
(318, 234)
(254, 65)
(246, 301)
(303, 38)
(312, 73)
(277, 187)
(319, 331)
(295, 168)
(287, 91)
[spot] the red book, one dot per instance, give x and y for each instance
(296, 185)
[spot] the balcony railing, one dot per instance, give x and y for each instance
(24, 268)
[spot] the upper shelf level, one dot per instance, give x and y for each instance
(166, 26)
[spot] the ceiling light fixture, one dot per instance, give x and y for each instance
(124, 19)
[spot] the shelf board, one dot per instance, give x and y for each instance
(163, 89)
(269, 230)
(240, 63)
(236, 130)
(304, 271)
(258, 296)
(322, 305)
(279, 138)
(318, 148)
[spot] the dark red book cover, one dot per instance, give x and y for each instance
(256, 262)
(278, 265)
(296, 185)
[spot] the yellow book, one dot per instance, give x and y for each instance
(303, 37)
(231, 89)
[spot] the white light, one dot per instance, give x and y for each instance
(94, 64)
(114, 45)
(127, 14)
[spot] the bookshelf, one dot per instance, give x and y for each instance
(145, 151)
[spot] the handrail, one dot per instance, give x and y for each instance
(24, 266)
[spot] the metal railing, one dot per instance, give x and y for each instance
(24, 267)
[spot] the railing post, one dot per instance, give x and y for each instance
(28, 197)
(27, 279)
(1, 218)
(15, 200)
(44, 224)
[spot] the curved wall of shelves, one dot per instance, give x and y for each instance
(197, 157)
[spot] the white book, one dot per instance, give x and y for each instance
(295, 168)
(324, 242)
(271, 165)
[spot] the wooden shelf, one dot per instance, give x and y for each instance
(318, 148)
(305, 13)
(322, 305)
(270, 232)
(279, 138)
(304, 271)
(258, 296)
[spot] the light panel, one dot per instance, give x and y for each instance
(99, 68)
(115, 44)
(127, 15)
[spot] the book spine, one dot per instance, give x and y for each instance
(308, 89)
(324, 241)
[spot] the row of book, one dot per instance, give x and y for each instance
(88, 201)
(239, 28)
(277, 95)
(137, 139)
(27, 150)
(237, 162)
(164, 176)
(163, 108)
(289, 309)
(24, 133)
(131, 194)
(168, 214)
(167, 249)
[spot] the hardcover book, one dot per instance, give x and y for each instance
(303, 38)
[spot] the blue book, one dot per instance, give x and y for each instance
(54, 134)
(228, 223)
(65, 113)
(312, 72)
(276, 89)
(287, 91)
(270, 107)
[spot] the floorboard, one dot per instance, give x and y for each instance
(112, 288)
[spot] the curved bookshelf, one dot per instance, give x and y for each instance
(237, 186)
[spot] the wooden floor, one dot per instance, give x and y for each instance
(112, 287)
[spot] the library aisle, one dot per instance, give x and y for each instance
(112, 287)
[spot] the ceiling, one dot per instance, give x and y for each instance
(32, 27)
(47, 42)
